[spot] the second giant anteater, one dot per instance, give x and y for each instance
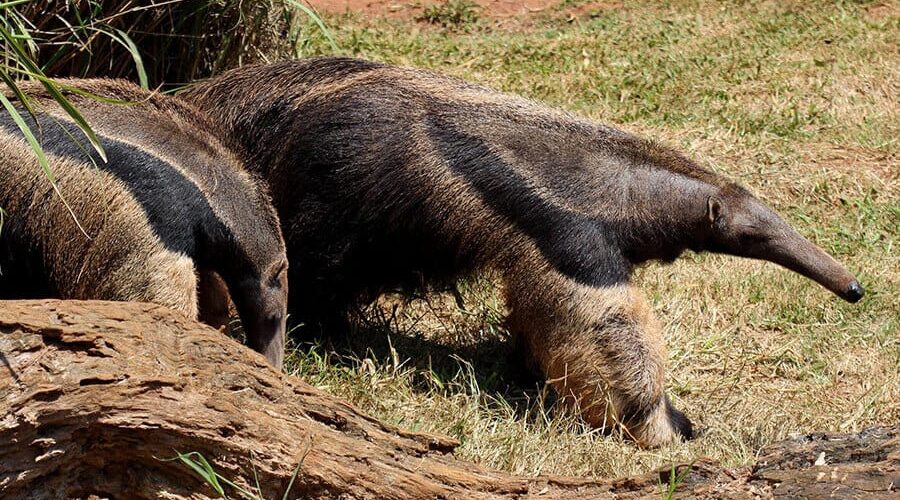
(383, 175)
(167, 219)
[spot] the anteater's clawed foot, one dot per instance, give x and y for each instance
(682, 425)
(662, 426)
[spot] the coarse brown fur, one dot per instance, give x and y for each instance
(172, 218)
(384, 175)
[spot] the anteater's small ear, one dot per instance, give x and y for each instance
(714, 209)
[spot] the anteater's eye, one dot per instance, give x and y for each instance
(275, 280)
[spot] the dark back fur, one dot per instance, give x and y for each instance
(386, 176)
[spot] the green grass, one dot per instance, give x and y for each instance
(451, 13)
(205, 472)
(797, 101)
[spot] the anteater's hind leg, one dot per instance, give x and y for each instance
(600, 348)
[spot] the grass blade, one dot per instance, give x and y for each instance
(123, 39)
(6, 5)
(202, 468)
(75, 115)
(252, 457)
(316, 19)
(20, 96)
(296, 471)
(205, 470)
(41, 157)
(54, 92)
(29, 137)
(65, 88)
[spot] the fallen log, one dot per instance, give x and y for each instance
(96, 397)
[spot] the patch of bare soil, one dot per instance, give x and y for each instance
(883, 10)
(884, 166)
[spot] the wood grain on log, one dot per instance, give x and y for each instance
(94, 396)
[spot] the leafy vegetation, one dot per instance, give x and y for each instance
(18, 62)
(162, 43)
(197, 463)
(674, 479)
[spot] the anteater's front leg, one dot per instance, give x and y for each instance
(213, 299)
(601, 349)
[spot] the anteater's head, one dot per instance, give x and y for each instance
(737, 223)
(260, 296)
(251, 258)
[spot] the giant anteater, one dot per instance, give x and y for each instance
(383, 175)
(172, 207)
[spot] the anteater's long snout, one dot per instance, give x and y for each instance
(267, 336)
(854, 292)
(791, 250)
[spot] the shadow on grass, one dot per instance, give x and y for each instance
(479, 358)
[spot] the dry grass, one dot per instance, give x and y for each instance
(797, 102)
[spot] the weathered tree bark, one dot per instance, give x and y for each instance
(94, 396)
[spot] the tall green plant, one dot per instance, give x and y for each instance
(205, 471)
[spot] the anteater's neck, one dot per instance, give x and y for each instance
(664, 214)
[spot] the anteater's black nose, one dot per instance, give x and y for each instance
(854, 292)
